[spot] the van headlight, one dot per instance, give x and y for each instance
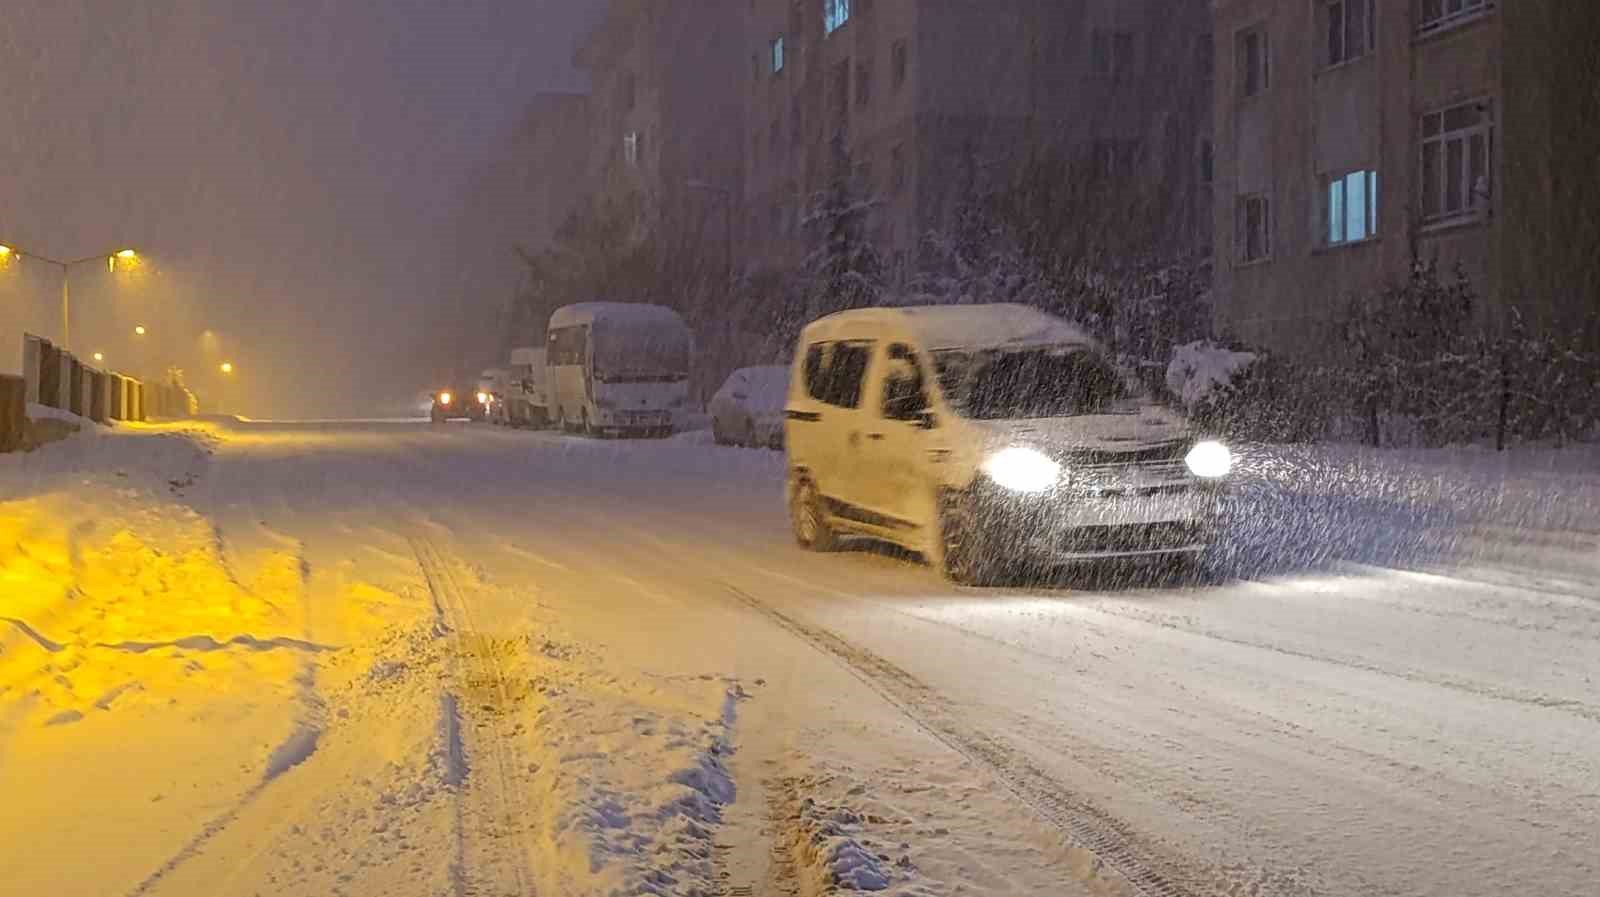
(1209, 460)
(1022, 469)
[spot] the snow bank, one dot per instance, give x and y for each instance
(1200, 368)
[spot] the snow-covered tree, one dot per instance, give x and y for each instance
(843, 268)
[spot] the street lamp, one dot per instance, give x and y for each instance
(139, 330)
(99, 356)
(126, 255)
(227, 367)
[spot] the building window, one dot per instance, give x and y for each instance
(631, 147)
(1436, 14)
(897, 169)
(900, 58)
(777, 54)
(630, 91)
(1254, 240)
(1111, 54)
(1207, 161)
(834, 14)
(863, 83)
(1349, 26)
(1255, 62)
(1456, 143)
(1350, 202)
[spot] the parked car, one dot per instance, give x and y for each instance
(989, 438)
(748, 409)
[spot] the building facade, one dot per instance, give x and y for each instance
(666, 110)
(921, 91)
(1355, 138)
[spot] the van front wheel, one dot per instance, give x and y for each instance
(965, 554)
(809, 518)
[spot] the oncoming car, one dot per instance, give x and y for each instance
(988, 438)
(456, 404)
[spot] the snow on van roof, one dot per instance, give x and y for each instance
(962, 326)
(630, 312)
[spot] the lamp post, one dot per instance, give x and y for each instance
(111, 258)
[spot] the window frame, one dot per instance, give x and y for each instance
(632, 144)
(1374, 208)
(900, 62)
(777, 57)
(1469, 210)
(1368, 33)
(1471, 11)
(1241, 67)
(1241, 254)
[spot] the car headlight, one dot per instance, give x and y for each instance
(1022, 469)
(444, 398)
(1210, 460)
(483, 398)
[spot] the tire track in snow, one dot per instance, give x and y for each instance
(1083, 824)
(477, 663)
(288, 755)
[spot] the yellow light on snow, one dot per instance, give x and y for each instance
(444, 398)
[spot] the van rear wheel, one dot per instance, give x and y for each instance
(809, 518)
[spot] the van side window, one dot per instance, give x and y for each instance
(568, 346)
(905, 396)
(816, 364)
(846, 372)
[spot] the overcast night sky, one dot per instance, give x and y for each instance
(290, 168)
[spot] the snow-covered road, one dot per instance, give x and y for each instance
(391, 658)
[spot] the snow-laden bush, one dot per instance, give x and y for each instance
(1200, 368)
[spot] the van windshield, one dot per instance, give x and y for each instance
(1040, 381)
(640, 352)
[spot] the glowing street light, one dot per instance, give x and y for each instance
(99, 356)
(227, 367)
(6, 252)
(139, 330)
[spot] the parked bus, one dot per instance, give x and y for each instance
(618, 367)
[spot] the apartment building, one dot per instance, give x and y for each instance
(1354, 137)
(921, 90)
(666, 109)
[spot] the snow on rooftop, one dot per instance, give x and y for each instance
(969, 326)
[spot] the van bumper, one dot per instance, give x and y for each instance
(1069, 529)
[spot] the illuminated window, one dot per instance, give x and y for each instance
(777, 54)
(630, 147)
(834, 14)
(1351, 203)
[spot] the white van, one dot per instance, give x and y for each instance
(525, 402)
(616, 367)
(986, 437)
